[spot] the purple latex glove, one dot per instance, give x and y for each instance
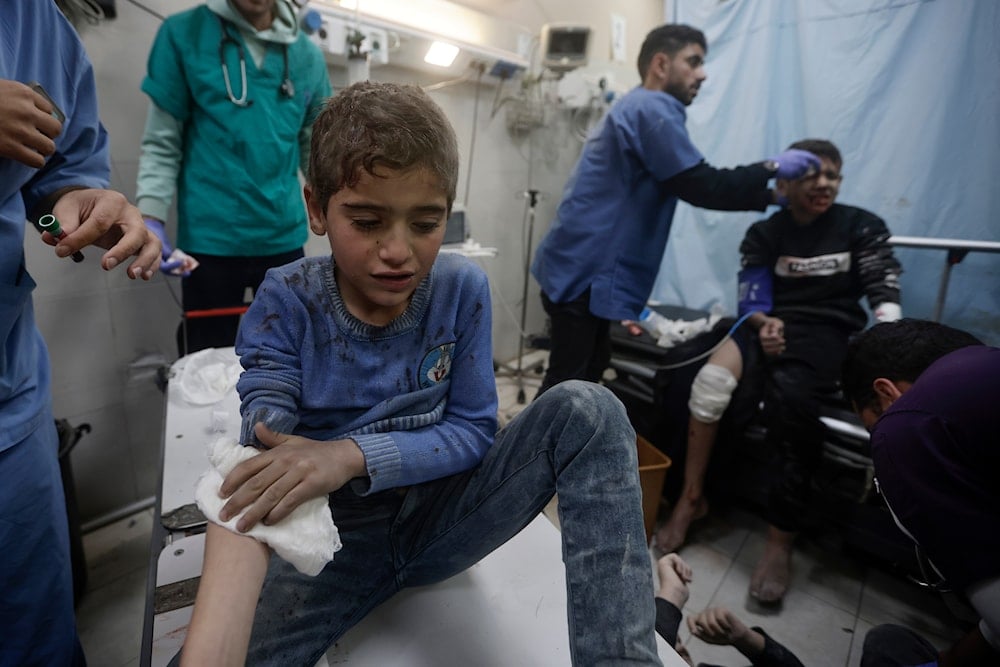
(794, 163)
(167, 265)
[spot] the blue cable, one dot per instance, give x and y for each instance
(738, 322)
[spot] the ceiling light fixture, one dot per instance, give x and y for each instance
(441, 54)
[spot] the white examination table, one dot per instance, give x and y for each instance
(509, 609)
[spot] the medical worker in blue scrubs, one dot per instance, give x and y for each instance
(235, 86)
(598, 261)
(59, 167)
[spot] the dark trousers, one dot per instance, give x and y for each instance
(580, 342)
(221, 282)
(797, 383)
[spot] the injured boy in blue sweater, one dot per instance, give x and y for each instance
(369, 383)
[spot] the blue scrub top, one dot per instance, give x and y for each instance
(238, 192)
(38, 44)
(612, 225)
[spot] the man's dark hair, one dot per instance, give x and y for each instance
(897, 351)
(820, 148)
(669, 39)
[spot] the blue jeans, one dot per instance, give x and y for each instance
(576, 441)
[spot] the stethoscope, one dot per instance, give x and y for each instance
(286, 88)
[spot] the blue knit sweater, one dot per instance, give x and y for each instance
(418, 395)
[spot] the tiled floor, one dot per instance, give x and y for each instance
(109, 616)
(833, 600)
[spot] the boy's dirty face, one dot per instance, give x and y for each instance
(811, 196)
(385, 233)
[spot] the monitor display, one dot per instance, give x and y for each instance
(564, 47)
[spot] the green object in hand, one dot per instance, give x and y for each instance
(48, 223)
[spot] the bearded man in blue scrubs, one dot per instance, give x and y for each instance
(235, 86)
(600, 258)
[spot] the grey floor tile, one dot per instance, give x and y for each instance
(110, 614)
(819, 568)
(117, 549)
(890, 599)
(725, 531)
(817, 632)
(109, 620)
(861, 628)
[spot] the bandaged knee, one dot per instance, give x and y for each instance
(306, 538)
(710, 393)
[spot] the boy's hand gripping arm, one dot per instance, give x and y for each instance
(293, 470)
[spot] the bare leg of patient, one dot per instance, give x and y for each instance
(692, 505)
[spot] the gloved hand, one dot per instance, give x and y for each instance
(794, 163)
(173, 262)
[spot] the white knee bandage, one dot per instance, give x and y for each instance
(710, 393)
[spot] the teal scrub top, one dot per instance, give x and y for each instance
(238, 192)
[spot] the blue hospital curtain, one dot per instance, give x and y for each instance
(909, 90)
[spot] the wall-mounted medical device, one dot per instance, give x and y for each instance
(430, 35)
(564, 46)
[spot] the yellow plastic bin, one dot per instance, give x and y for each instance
(653, 466)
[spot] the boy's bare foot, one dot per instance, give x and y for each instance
(671, 535)
(770, 579)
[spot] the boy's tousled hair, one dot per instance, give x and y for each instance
(369, 125)
(897, 351)
(820, 148)
(669, 39)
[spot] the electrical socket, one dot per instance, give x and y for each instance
(505, 70)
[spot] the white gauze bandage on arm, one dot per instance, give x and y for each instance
(306, 538)
(888, 312)
(710, 393)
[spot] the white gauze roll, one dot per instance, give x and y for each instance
(306, 538)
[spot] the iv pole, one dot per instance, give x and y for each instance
(533, 197)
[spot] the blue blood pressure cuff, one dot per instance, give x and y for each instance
(755, 291)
